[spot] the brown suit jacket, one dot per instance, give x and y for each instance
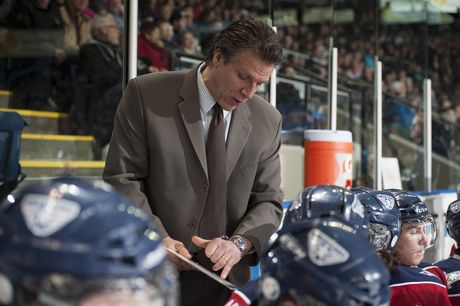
(157, 158)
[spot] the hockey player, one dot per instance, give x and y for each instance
(321, 261)
(411, 285)
(326, 200)
(70, 242)
(451, 265)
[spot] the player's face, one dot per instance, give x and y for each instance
(411, 243)
(234, 82)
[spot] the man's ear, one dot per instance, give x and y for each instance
(217, 57)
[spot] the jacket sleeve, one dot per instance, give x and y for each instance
(127, 161)
(264, 212)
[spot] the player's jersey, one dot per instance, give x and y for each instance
(246, 295)
(412, 286)
(451, 266)
(433, 269)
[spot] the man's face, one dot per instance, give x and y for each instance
(111, 34)
(153, 36)
(411, 243)
(166, 31)
(236, 81)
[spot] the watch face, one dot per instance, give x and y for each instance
(241, 244)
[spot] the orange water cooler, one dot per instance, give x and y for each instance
(328, 158)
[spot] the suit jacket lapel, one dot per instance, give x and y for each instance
(189, 109)
(238, 134)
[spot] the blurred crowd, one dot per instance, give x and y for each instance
(409, 53)
(65, 55)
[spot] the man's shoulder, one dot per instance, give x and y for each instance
(166, 78)
(261, 108)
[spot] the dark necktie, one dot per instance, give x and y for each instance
(214, 218)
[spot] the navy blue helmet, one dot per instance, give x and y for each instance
(326, 200)
(413, 209)
(453, 220)
(384, 216)
(74, 242)
(322, 262)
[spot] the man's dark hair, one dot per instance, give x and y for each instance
(252, 35)
(148, 26)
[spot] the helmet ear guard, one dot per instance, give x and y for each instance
(383, 213)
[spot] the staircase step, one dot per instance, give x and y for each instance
(51, 168)
(5, 98)
(56, 147)
(42, 122)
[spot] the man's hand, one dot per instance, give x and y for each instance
(223, 253)
(179, 247)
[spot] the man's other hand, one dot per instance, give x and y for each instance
(179, 247)
(222, 253)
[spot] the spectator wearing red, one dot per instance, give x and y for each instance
(151, 47)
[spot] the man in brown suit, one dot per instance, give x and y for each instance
(157, 157)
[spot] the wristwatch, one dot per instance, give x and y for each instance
(241, 244)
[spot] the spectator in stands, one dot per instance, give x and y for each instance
(206, 28)
(77, 31)
(167, 36)
(31, 69)
(150, 47)
(189, 13)
(116, 8)
(99, 77)
(179, 22)
(148, 9)
(289, 103)
(189, 44)
(416, 133)
(77, 26)
(166, 10)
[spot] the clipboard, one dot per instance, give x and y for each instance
(203, 270)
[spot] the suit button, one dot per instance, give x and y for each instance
(204, 188)
(192, 224)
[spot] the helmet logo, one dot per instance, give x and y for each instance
(455, 207)
(420, 209)
(358, 207)
(387, 201)
(271, 288)
(325, 251)
(45, 215)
